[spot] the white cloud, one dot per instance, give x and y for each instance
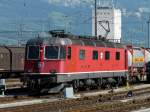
(138, 14)
(144, 10)
(60, 19)
(132, 14)
(68, 3)
(126, 13)
(141, 11)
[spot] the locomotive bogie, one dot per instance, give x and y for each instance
(45, 84)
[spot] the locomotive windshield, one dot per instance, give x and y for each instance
(55, 52)
(33, 52)
(51, 52)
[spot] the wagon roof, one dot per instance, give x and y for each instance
(14, 49)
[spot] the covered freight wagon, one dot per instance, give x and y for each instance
(11, 61)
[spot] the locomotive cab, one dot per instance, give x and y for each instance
(44, 59)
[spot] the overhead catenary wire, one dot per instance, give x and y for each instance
(84, 21)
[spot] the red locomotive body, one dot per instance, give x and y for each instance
(72, 60)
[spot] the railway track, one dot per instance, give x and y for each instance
(112, 102)
(116, 106)
(14, 95)
(24, 96)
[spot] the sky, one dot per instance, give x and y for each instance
(73, 16)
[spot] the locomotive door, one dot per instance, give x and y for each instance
(71, 60)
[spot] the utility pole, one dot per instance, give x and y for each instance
(148, 23)
(95, 18)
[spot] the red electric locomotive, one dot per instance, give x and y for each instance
(61, 59)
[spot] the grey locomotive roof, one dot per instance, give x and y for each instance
(73, 41)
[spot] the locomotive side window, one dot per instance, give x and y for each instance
(33, 52)
(82, 54)
(69, 53)
(95, 55)
(117, 55)
(51, 52)
(107, 55)
(62, 53)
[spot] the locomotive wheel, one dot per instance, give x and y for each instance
(120, 82)
(87, 88)
(33, 86)
(99, 83)
(76, 86)
(109, 85)
(104, 83)
(30, 85)
(75, 90)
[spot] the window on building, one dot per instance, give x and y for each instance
(117, 55)
(95, 55)
(107, 55)
(82, 54)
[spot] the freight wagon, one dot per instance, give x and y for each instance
(11, 61)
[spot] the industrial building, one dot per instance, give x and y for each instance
(108, 23)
